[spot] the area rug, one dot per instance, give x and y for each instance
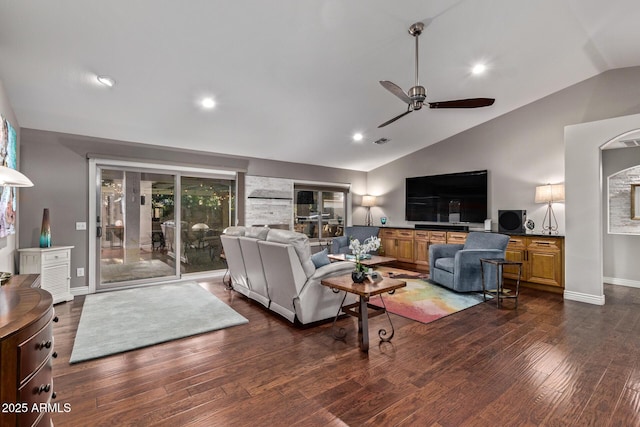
(425, 302)
(118, 321)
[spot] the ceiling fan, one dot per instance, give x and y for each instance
(415, 97)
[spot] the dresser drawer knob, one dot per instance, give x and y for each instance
(44, 389)
(45, 344)
(55, 354)
(54, 395)
(55, 319)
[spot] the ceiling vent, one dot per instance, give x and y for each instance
(631, 142)
(381, 141)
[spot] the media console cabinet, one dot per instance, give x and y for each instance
(542, 256)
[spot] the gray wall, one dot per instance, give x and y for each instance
(620, 263)
(58, 166)
(521, 149)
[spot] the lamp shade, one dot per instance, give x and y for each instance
(550, 193)
(368, 201)
(12, 178)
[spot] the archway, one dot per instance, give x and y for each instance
(583, 204)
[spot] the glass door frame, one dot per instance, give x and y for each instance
(95, 184)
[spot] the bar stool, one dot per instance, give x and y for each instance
(499, 291)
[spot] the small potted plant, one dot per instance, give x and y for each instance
(359, 250)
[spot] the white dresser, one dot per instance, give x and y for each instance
(54, 267)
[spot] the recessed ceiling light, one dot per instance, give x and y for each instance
(479, 69)
(208, 103)
(358, 136)
(106, 80)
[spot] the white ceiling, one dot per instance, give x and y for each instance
(293, 80)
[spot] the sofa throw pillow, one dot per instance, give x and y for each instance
(321, 258)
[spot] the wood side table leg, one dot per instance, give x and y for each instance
(363, 325)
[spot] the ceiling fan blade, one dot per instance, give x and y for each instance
(463, 103)
(388, 122)
(396, 90)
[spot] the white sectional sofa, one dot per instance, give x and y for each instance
(274, 268)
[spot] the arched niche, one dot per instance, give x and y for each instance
(623, 200)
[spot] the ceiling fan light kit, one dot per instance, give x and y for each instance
(416, 95)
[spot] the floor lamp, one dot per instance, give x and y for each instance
(550, 194)
(368, 202)
(12, 178)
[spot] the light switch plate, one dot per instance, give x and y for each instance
(81, 225)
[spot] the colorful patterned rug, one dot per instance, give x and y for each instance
(423, 301)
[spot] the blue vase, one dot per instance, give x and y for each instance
(45, 231)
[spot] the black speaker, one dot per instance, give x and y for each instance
(511, 221)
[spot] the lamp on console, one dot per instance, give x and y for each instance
(368, 202)
(550, 194)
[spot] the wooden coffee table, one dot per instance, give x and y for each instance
(361, 308)
(371, 262)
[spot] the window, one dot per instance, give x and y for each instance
(320, 213)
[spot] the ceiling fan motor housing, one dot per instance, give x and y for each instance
(417, 94)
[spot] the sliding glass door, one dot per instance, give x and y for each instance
(135, 210)
(320, 213)
(156, 226)
(208, 207)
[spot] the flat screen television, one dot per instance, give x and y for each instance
(450, 198)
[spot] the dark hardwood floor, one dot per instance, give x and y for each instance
(549, 363)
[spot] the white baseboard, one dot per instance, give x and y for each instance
(80, 290)
(622, 282)
(587, 298)
(207, 275)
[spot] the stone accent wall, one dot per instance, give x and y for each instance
(269, 201)
(620, 221)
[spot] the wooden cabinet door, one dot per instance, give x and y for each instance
(404, 250)
(388, 242)
(545, 261)
(516, 251)
(421, 247)
(389, 247)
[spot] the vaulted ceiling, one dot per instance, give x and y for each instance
(294, 80)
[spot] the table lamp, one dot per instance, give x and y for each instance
(368, 202)
(549, 194)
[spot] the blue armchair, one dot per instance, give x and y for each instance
(457, 266)
(340, 245)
